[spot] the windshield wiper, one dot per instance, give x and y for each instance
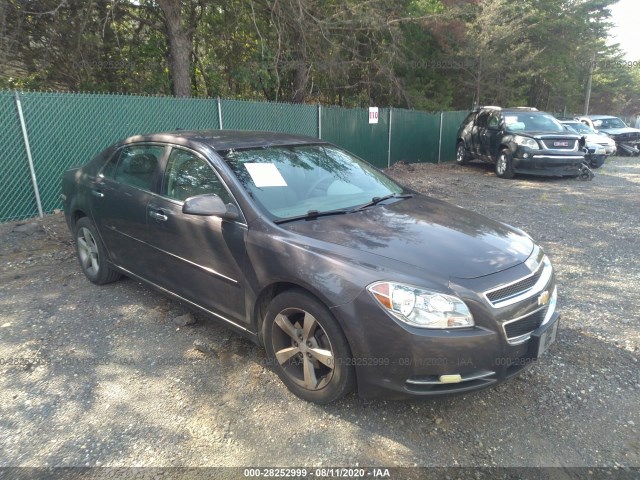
(312, 214)
(377, 200)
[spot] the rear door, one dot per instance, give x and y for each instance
(199, 258)
(119, 197)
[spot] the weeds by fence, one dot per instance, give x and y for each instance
(43, 134)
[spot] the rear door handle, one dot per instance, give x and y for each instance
(97, 193)
(158, 215)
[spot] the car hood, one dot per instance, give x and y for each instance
(548, 135)
(427, 233)
(599, 139)
(619, 131)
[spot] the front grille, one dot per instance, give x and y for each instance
(525, 325)
(514, 289)
(560, 144)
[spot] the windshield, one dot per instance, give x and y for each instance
(294, 180)
(610, 123)
(579, 127)
(531, 122)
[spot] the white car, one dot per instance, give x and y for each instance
(591, 136)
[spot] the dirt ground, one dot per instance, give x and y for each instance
(102, 376)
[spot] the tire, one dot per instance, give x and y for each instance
(462, 155)
(307, 348)
(92, 255)
(597, 162)
(504, 164)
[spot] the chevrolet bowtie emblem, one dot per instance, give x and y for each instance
(543, 299)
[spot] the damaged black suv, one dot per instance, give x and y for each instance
(519, 140)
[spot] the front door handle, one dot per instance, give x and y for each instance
(97, 193)
(158, 215)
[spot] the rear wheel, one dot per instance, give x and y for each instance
(307, 348)
(92, 254)
(462, 155)
(504, 164)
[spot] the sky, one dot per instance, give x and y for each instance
(626, 17)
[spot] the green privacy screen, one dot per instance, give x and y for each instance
(350, 129)
(17, 198)
(274, 117)
(414, 136)
(67, 129)
(450, 123)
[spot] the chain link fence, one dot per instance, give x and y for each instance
(66, 129)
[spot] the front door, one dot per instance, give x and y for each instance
(200, 258)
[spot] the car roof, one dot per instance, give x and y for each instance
(509, 109)
(225, 139)
(599, 117)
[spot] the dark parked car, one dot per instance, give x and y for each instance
(627, 138)
(519, 140)
(344, 276)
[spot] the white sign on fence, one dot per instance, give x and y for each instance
(373, 114)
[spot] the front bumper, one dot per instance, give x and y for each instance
(557, 163)
(395, 360)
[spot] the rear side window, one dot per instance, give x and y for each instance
(137, 165)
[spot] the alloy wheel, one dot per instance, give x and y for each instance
(501, 167)
(88, 252)
(303, 349)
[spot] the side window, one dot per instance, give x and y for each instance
(137, 165)
(494, 121)
(188, 175)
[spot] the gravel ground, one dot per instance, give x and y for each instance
(103, 376)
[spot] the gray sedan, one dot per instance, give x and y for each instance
(347, 278)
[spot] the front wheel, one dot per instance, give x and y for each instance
(504, 164)
(307, 348)
(92, 254)
(462, 156)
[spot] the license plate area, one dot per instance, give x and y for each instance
(543, 338)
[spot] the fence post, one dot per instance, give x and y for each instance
(219, 114)
(319, 121)
(389, 134)
(440, 138)
(27, 147)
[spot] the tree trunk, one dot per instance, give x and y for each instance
(180, 46)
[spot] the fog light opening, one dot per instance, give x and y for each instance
(453, 378)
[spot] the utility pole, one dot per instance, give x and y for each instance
(588, 94)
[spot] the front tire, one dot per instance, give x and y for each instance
(92, 255)
(462, 155)
(307, 348)
(504, 164)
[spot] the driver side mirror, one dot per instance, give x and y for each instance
(210, 205)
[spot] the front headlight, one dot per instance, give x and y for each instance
(526, 142)
(421, 308)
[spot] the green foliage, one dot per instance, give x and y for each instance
(421, 54)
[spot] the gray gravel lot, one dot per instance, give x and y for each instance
(102, 376)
